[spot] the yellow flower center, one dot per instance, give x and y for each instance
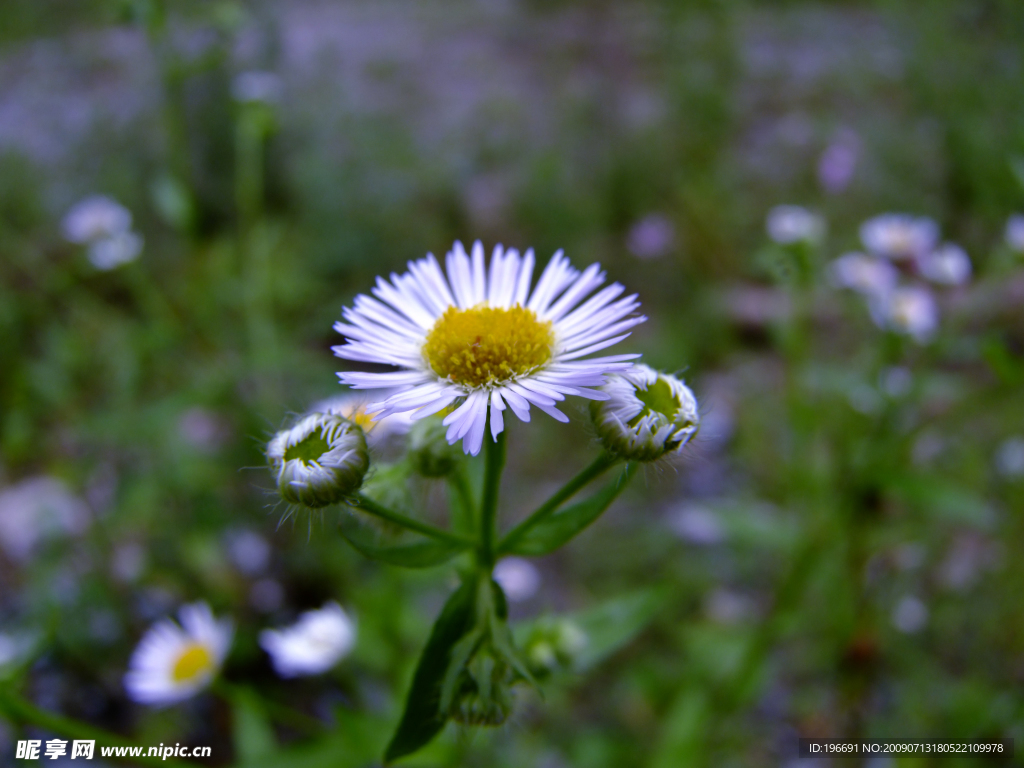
(194, 661)
(487, 345)
(358, 415)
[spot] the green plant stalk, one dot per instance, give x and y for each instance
(370, 506)
(282, 713)
(21, 711)
(567, 491)
(494, 456)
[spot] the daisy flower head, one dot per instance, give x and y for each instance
(648, 414)
(948, 264)
(319, 461)
(899, 236)
(908, 310)
(172, 662)
(95, 218)
(478, 338)
(352, 406)
(865, 274)
(314, 644)
(790, 224)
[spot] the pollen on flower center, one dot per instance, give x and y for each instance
(487, 345)
(193, 661)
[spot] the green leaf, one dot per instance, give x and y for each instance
(420, 552)
(423, 719)
(552, 532)
(253, 735)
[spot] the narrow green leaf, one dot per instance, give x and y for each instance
(413, 552)
(552, 532)
(423, 719)
(252, 732)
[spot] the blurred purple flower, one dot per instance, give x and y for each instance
(838, 162)
(651, 237)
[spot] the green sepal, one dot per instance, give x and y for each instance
(423, 717)
(552, 532)
(414, 552)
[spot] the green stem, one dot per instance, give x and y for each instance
(494, 455)
(22, 711)
(567, 491)
(367, 504)
(282, 713)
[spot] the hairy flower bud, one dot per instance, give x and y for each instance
(648, 414)
(554, 644)
(319, 461)
(485, 690)
(429, 451)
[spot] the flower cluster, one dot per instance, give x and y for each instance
(903, 255)
(105, 227)
(174, 662)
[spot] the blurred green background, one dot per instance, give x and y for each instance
(836, 554)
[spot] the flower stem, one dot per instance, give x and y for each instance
(596, 468)
(494, 455)
(367, 504)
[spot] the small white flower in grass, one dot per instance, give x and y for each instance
(910, 310)
(910, 615)
(789, 224)
(314, 644)
(899, 235)
(864, 274)
(96, 218)
(651, 237)
(319, 461)
(173, 663)
(1010, 457)
(353, 405)
(948, 264)
(647, 414)
(111, 252)
(1014, 233)
(517, 577)
(479, 338)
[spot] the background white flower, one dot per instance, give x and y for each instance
(314, 644)
(113, 251)
(864, 274)
(788, 224)
(518, 578)
(899, 235)
(173, 663)
(353, 405)
(481, 339)
(948, 264)
(35, 509)
(651, 237)
(95, 218)
(910, 310)
(1014, 233)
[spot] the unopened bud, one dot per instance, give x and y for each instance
(429, 452)
(485, 691)
(319, 461)
(554, 644)
(648, 414)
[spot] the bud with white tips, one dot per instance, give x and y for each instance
(319, 461)
(648, 414)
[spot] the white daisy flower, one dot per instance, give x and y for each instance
(353, 405)
(97, 217)
(314, 644)
(320, 460)
(172, 663)
(111, 252)
(480, 338)
(909, 310)
(948, 264)
(864, 274)
(1015, 232)
(648, 414)
(789, 224)
(899, 235)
